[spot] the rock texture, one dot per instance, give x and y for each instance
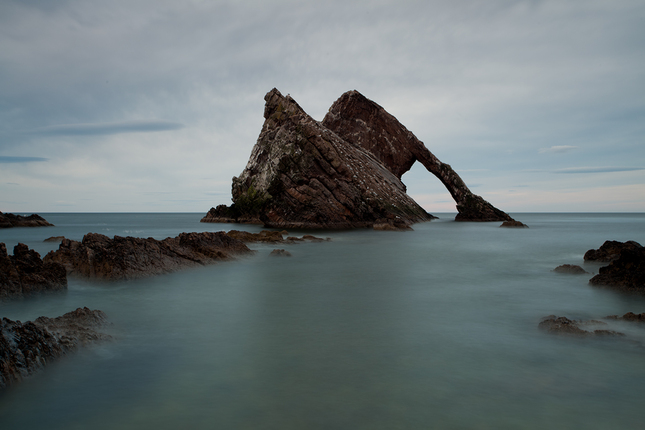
(610, 250)
(25, 274)
(364, 123)
(27, 347)
(303, 175)
(514, 224)
(343, 172)
(100, 257)
(570, 269)
(629, 316)
(565, 326)
(626, 273)
(11, 220)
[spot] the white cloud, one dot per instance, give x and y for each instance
(558, 149)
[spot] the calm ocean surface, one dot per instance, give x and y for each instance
(430, 329)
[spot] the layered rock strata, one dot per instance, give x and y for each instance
(366, 124)
(100, 257)
(11, 220)
(27, 347)
(25, 274)
(343, 172)
(303, 175)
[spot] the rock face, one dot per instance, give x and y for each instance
(27, 347)
(627, 273)
(25, 274)
(11, 220)
(343, 172)
(100, 257)
(610, 250)
(364, 123)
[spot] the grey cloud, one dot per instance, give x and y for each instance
(109, 128)
(597, 169)
(9, 159)
(558, 149)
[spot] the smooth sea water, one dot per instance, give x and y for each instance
(430, 329)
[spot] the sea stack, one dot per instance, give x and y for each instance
(343, 172)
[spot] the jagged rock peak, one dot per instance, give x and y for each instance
(366, 124)
(302, 175)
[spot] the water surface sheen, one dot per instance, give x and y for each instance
(435, 328)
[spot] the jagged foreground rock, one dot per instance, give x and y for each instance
(27, 347)
(344, 172)
(100, 257)
(25, 274)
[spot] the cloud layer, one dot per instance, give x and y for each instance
(129, 99)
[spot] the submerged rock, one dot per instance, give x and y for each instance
(629, 316)
(564, 326)
(571, 269)
(25, 274)
(27, 347)
(101, 257)
(514, 224)
(11, 220)
(280, 253)
(344, 172)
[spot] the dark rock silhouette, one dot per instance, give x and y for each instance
(366, 124)
(280, 253)
(626, 273)
(610, 250)
(25, 274)
(27, 347)
(302, 175)
(514, 224)
(570, 269)
(101, 257)
(343, 172)
(11, 220)
(629, 316)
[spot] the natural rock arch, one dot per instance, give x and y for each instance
(364, 123)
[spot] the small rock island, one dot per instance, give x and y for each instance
(344, 172)
(11, 220)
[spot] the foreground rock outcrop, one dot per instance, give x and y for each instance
(27, 347)
(25, 274)
(611, 250)
(119, 258)
(11, 220)
(626, 273)
(343, 172)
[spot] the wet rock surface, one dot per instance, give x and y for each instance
(100, 257)
(27, 347)
(11, 220)
(611, 250)
(24, 273)
(514, 224)
(629, 316)
(343, 172)
(280, 253)
(564, 326)
(570, 269)
(626, 273)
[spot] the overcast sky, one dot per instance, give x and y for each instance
(154, 105)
